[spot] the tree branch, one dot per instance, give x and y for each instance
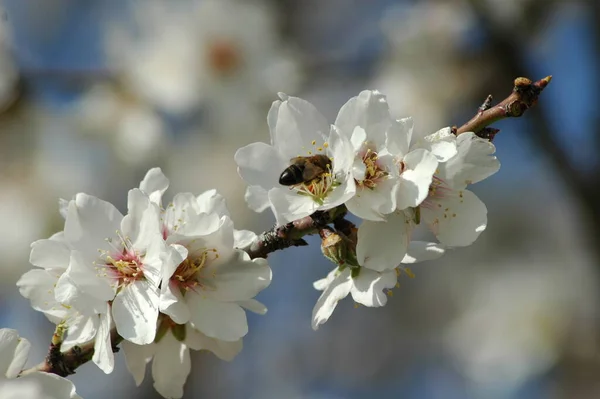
(65, 363)
(290, 234)
(524, 95)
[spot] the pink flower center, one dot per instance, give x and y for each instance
(123, 264)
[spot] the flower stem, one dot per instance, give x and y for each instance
(524, 95)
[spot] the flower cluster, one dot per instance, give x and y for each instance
(164, 279)
(389, 175)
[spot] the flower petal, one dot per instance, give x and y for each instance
(459, 220)
(337, 290)
(171, 367)
(382, 245)
(399, 136)
(211, 201)
(52, 253)
(254, 306)
(136, 359)
(243, 238)
(237, 278)
(420, 251)
(155, 184)
(13, 352)
(259, 164)
(474, 162)
(172, 303)
(367, 288)
(135, 311)
(226, 321)
(297, 125)
(82, 329)
(103, 355)
(414, 182)
(288, 205)
(442, 144)
(257, 198)
(87, 279)
(89, 222)
(222, 349)
(370, 111)
(37, 285)
(50, 386)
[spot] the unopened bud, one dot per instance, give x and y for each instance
(338, 248)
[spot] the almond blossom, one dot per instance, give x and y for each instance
(456, 215)
(297, 130)
(367, 287)
(87, 318)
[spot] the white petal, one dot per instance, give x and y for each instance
(173, 304)
(150, 229)
(136, 359)
(337, 290)
(287, 205)
(323, 283)
(298, 125)
(53, 253)
(237, 279)
(63, 207)
(51, 385)
(342, 154)
(103, 355)
(87, 279)
(399, 136)
(368, 110)
(458, 219)
(259, 164)
(257, 198)
(223, 349)
(372, 204)
(37, 285)
(135, 311)
(357, 137)
(368, 286)
(13, 352)
(170, 367)
(382, 245)
(442, 144)
(226, 321)
(81, 329)
(89, 222)
(67, 292)
(212, 202)
(137, 203)
(474, 162)
(414, 182)
(243, 238)
(254, 306)
(155, 184)
(420, 251)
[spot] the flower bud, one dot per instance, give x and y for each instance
(338, 248)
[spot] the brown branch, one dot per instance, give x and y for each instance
(290, 234)
(65, 363)
(524, 95)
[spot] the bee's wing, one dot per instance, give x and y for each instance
(311, 171)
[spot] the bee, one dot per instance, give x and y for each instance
(304, 169)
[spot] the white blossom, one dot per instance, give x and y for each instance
(206, 277)
(297, 129)
(34, 385)
(456, 215)
(367, 287)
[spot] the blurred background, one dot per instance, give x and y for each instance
(93, 93)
